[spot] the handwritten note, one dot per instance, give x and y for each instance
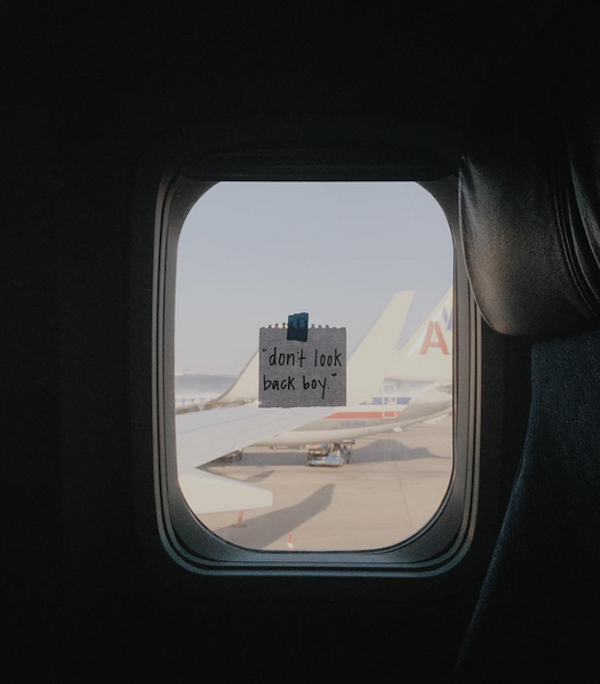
(295, 373)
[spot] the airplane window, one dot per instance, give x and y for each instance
(362, 476)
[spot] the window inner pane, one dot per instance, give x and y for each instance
(360, 476)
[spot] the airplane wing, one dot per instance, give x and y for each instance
(203, 436)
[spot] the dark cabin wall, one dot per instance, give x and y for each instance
(89, 91)
(31, 350)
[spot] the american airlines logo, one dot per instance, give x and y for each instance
(447, 319)
(434, 337)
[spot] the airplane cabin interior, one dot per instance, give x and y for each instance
(114, 117)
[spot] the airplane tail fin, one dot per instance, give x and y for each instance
(243, 391)
(368, 365)
(427, 356)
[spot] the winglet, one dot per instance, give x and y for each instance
(243, 391)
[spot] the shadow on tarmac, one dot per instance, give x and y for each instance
(268, 528)
(391, 450)
(259, 477)
(379, 451)
(275, 457)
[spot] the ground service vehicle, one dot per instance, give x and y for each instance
(115, 122)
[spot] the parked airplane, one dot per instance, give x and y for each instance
(422, 367)
(366, 367)
(416, 389)
(206, 435)
(424, 359)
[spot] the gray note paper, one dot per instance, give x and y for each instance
(295, 373)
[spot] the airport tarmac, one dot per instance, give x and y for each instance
(392, 486)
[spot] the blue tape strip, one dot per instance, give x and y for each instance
(297, 327)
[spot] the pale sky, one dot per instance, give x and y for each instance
(251, 253)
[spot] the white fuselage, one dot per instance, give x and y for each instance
(358, 421)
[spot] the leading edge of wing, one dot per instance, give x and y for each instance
(203, 436)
